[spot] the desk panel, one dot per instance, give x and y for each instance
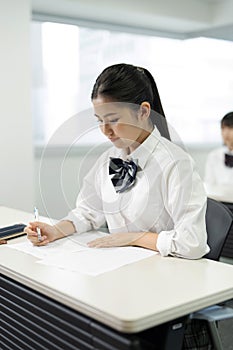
(30, 320)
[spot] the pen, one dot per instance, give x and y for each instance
(37, 219)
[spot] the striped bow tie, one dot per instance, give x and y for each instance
(229, 160)
(124, 173)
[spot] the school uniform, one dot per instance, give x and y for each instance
(219, 167)
(167, 197)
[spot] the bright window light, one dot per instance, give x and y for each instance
(194, 77)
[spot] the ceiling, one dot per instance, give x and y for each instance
(176, 18)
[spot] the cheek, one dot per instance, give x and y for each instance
(126, 129)
(227, 137)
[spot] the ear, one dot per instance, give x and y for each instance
(145, 110)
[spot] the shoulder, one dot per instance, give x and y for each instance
(172, 152)
(216, 153)
(172, 161)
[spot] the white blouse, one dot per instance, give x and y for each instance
(216, 172)
(168, 198)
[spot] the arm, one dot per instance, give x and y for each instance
(140, 239)
(149, 241)
(185, 201)
(87, 215)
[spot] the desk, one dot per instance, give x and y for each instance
(122, 303)
(223, 194)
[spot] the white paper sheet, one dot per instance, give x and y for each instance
(95, 261)
(73, 254)
(76, 242)
(62, 245)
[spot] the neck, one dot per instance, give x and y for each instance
(142, 137)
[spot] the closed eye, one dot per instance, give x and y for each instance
(99, 121)
(113, 121)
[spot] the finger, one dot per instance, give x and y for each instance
(3, 241)
(29, 231)
(97, 241)
(44, 241)
(36, 224)
(31, 234)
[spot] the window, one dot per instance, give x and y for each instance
(194, 77)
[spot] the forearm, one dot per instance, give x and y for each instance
(148, 240)
(64, 228)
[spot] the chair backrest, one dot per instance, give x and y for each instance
(219, 220)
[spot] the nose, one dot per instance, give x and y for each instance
(106, 129)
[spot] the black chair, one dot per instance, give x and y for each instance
(219, 220)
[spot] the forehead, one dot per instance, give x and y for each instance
(107, 109)
(227, 128)
(101, 109)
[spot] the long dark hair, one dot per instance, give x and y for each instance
(127, 83)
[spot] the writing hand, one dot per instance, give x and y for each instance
(49, 233)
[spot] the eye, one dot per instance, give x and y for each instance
(114, 121)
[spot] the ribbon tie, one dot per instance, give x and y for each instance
(124, 173)
(229, 160)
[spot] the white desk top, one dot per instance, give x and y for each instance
(130, 299)
(220, 193)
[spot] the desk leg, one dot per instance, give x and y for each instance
(175, 334)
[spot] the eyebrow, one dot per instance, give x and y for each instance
(106, 115)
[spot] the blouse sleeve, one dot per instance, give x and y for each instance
(185, 200)
(88, 214)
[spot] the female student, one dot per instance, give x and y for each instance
(219, 165)
(145, 188)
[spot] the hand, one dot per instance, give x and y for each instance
(116, 240)
(49, 233)
(3, 241)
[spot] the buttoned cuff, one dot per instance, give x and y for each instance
(164, 242)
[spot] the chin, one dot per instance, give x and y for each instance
(119, 144)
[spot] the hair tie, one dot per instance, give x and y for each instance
(140, 69)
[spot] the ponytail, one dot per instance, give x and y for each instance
(157, 115)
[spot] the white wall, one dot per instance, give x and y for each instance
(16, 150)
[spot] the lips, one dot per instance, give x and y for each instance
(113, 139)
